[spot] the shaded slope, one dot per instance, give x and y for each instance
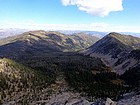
(132, 75)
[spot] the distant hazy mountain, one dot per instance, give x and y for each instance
(11, 32)
(131, 33)
(93, 33)
(96, 33)
(115, 49)
(15, 31)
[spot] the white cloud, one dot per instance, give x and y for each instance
(96, 7)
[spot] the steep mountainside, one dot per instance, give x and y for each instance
(40, 42)
(115, 49)
(132, 75)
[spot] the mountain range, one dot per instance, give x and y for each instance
(96, 33)
(17, 31)
(34, 43)
(39, 67)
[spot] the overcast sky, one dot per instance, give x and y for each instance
(94, 15)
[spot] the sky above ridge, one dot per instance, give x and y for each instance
(93, 15)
